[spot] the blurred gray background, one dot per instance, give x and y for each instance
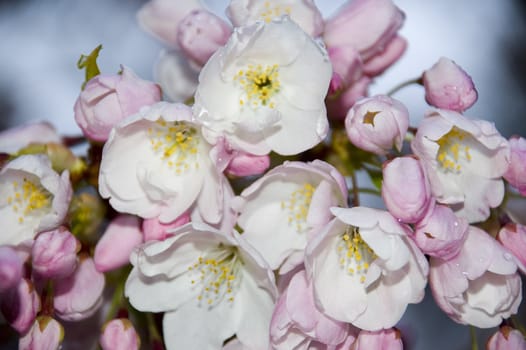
(40, 43)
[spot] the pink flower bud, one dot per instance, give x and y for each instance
(11, 268)
(114, 248)
(506, 338)
(515, 174)
(385, 339)
(448, 86)
(381, 18)
(346, 67)
(119, 334)
(379, 63)
(20, 306)
(377, 123)
(80, 295)
(108, 99)
(45, 334)
(245, 164)
(55, 253)
(405, 189)
(154, 230)
(513, 237)
(161, 17)
(441, 233)
(200, 34)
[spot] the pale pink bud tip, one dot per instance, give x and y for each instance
(108, 99)
(200, 34)
(45, 334)
(10, 268)
(506, 338)
(55, 253)
(386, 339)
(376, 124)
(246, 164)
(154, 230)
(20, 306)
(119, 334)
(79, 295)
(448, 86)
(513, 237)
(114, 248)
(405, 189)
(515, 174)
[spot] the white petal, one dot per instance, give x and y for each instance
(198, 327)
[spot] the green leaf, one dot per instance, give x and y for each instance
(89, 63)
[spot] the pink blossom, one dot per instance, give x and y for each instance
(464, 160)
(479, 286)
(378, 123)
(516, 173)
(119, 334)
(45, 334)
(155, 230)
(116, 244)
(108, 99)
(405, 189)
(448, 86)
(11, 268)
(200, 34)
(20, 306)
(385, 339)
(506, 338)
(365, 269)
(441, 233)
(80, 295)
(297, 322)
(513, 237)
(298, 197)
(54, 253)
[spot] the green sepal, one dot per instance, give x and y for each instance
(89, 63)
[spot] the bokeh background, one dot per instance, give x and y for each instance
(41, 40)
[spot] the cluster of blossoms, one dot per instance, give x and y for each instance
(228, 216)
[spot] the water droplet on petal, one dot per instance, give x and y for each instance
(508, 256)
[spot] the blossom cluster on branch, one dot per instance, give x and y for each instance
(220, 207)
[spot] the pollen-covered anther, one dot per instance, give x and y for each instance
(176, 143)
(270, 12)
(217, 274)
(453, 151)
(355, 255)
(259, 85)
(297, 206)
(28, 198)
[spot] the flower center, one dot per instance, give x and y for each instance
(270, 12)
(355, 255)
(176, 143)
(259, 84)
(453, 150)
(218, 274)
(297, 207)
(28, 198)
